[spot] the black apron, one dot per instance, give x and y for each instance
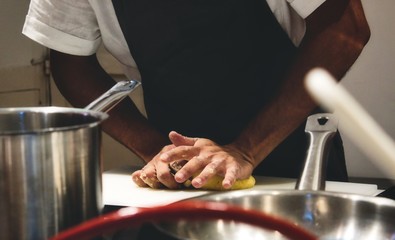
(208, 67)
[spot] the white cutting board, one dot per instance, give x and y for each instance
(120, 190)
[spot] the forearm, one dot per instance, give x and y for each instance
(81, 80)
(132, 129)
(334, 48)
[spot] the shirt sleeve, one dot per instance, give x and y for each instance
(291, 14)
(68, 26)
(305, 7)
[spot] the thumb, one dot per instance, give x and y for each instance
(179, 140)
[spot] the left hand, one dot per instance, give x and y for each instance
(156, 173)
(208, 158)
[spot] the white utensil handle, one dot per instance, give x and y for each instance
(357, 124)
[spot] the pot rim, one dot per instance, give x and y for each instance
(97, 118)
(378, 201)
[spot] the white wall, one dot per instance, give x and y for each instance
(21, 83)
(15, 50)
(372, 82)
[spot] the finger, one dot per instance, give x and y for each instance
(178, 139)
(193, 166)
(208, 172)
(229, 178)
(148, 176)
(152, 182)
(148, 171)
(179, 153)
(137, 180)
(165, 177)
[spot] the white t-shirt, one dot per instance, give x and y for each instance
(78, 27)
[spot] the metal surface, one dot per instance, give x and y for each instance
(113, 96)
(326, 214)
(320, 129)
(50, 169)
(125, 218)
(216, 230)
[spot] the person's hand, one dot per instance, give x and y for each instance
(156, 173)
(208, 158)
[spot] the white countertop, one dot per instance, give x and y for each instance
(120, 190)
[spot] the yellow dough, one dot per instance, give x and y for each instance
(215, 183)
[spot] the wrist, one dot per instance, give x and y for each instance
(245, 153)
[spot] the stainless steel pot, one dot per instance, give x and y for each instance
(328, 215)
(50, 166)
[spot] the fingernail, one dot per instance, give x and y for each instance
(226, 184)
(197, 182)
(180, 177)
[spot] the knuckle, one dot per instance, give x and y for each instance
(211, 169)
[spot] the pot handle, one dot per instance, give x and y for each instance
(191, 210)
(112, 97)
(320, 129)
